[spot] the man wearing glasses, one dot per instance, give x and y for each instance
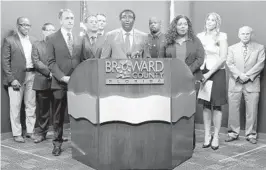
(19, 75)
(125, 42)
(42, 81)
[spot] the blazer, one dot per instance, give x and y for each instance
(194, 55)
(13, 59)
(114, 46)
(90, 51)
(251, 67)
(60, 61)
(39, 57)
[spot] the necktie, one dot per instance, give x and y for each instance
(93, 40)
(127, 42)
(70, 43)
(245, 52)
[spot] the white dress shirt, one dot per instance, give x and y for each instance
(130, 36)
(27, 47)
(64, 33)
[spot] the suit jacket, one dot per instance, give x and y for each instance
(60, 61)
(194, 55)
(13, 59)
(114, 45)
(252, 66)
(39, 57)
(92, 51)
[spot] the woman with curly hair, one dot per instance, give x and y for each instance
(215, 45)
(182, 43)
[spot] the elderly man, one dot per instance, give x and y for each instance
(245, 62)
(126, 42)
(19, 74)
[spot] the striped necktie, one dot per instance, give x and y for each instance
(70, 43)
(245, 52)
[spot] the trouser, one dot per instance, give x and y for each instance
(60, 106)
(251, 104)
(15, 99)
(44, 98)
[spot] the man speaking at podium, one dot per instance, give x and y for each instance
(125, 42)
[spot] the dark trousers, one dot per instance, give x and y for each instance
(60, 106)
(44, 99)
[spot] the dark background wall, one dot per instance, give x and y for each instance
(234, 15)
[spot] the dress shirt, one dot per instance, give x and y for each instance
(130, 36)
(154, 43)
(64, 33)
(27, 47)
(181, 49)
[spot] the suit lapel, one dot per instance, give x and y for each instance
(61, 38)
(135, 40)
(18, 42)
(123, 45)
(240, 61)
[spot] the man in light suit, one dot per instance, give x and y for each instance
(92, 41)
(126, 42)
(19, 74)
(64, 54)
(245, 62)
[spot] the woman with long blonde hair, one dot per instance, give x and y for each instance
(215, 46)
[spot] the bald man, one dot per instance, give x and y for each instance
(19, 75)
(155, 39)
(245, 62)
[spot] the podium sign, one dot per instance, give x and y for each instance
(134, 72)
(132, 114)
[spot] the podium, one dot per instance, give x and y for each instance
(132, 114)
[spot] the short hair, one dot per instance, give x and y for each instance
(19, 18)
(127, 10)
(45, 25)
(251, 30)
(62, 11)
(101, 15)
(88, 17)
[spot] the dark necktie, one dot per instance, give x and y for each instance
(127, 42)
(70, 43)
(93, 40)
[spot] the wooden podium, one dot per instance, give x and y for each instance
(132, 114)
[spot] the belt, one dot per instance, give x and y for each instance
(29, 69)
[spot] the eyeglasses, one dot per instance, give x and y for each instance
(25, 25)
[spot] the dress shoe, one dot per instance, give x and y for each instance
(230, 139)
(39, 139)
(56, 151)
(209, 144)
(252, 140)
(215, 139)
(31, 136)
(19, 139)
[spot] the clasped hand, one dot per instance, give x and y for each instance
(242, 79)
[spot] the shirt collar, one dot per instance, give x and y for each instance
(100, 33)
(64, 31)
(186, 40)
(157, 35)
(130, 32)
(244, 45)
(92, 35)
(21, 36)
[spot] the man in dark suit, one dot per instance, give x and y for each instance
(92, 41)
(102, 24)
(64, 54)
(18, 76)
(42, 81)
(126, 42)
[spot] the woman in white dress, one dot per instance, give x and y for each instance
(215, 46)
